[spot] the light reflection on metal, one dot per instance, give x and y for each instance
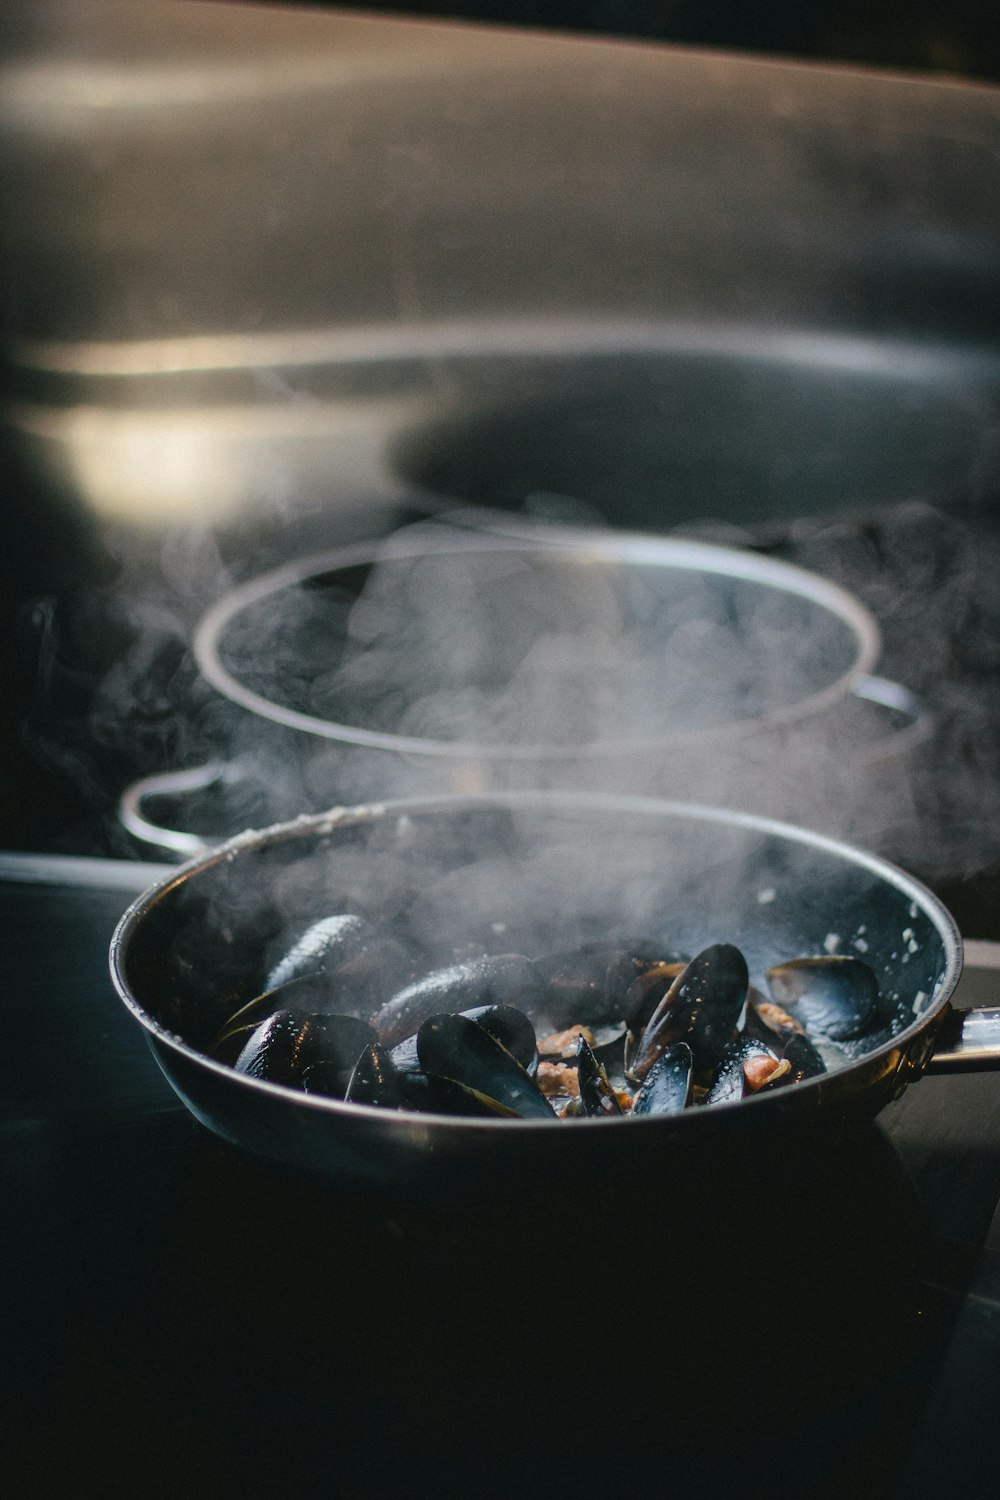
(203, 463)
(517, 336)
(290, 58)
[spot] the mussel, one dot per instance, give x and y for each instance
(644, 995)
(375, 1079)
(701, 1007)
(505, 1023)
(596, 1093)
(315, 1052)
(667, 1088)
(357, 966)
(502, 979)
(771, 1024)
(641, 1030)
(457, 1048)
(836, 997)
(747, 1066)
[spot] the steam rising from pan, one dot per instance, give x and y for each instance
(927, 578)
(561, 660)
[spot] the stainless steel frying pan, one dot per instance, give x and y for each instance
(535, 872)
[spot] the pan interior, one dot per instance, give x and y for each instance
(528, 875)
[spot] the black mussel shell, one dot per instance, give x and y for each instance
(324, 946)
(505, 1023)
(747, 1067)
(835, 997)
(648, 989)
(667, 1088)
(588, 985)
(359, 965)
(510, 1027)
(375, 1079)
(270, 1050)
(452, 1046)
(501, 979)
(431, 1094)
(701, 1007)
(596, 1093)
(805, 1061)
(644, 994)
(308, 994)
(288, 1044)
(329, 1048)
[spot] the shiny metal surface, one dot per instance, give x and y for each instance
(970, 1039)
(775, 888)
(272, 261)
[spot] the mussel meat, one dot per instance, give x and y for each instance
(747, 1067)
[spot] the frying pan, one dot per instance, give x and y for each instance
(535, 872)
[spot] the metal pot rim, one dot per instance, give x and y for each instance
(632, 548)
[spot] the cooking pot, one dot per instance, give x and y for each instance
(448, 661)
(535, 872)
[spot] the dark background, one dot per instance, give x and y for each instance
(961, 38)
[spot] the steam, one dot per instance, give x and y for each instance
(626, 685)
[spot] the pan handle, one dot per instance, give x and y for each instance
(917, 725)
(134, 817)
(969, 1035)
(967, 1041)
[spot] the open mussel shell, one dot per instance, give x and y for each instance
(454, 1047)
(747, 1066)
(701, 1007)
(835, 997)
(770, 1022)
(644, 995)
(588, 985)
(596, 1093)
(434, 1094)
(561, 1046)
(505, 1023)
(667, 1088)
(308, 994)
(498, 979)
